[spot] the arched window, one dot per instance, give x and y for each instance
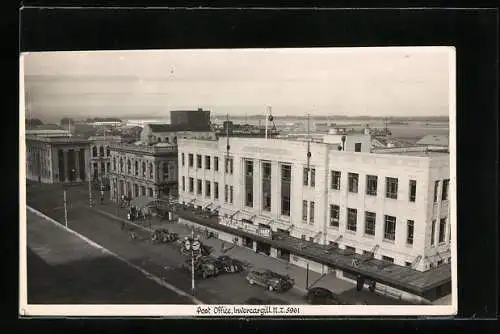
(114, 164)
(150, 170)
(108, 151)
(175, 140)
(101, 151)
(121, 165)
(143, 169)
(129, 166)
(94, 151)
(167, 140)
(159, 139)
(136, 168)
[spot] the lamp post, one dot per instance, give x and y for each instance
(90, 185)
(192, 244)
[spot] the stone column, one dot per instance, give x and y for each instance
(77, 165)
(66, 165)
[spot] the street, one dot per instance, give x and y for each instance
(161, 260)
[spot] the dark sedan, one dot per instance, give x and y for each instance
(270, 280)
(322, 296)
(229, 265)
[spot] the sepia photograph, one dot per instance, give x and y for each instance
(238, 182)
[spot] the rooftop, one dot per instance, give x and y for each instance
(58, 140)
(139, 147)
(414, 151)
(176, 128)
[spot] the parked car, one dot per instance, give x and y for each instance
(202, 268)
(270, 280)
(322, 296)
(163, 235)
(271, 301)
(229, 265)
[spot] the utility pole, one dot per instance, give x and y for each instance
(65, 210)
(90, 187)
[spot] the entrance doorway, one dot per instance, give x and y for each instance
(263, 248)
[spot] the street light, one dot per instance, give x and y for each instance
(192, 244)
(65, 210)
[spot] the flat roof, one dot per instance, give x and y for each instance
(400, 277)
(58, 140)
(418, 153)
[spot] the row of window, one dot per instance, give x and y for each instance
(229, 164)
(101, 151)
(140, 168)
(209, 191)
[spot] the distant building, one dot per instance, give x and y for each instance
(57, 159)
(48, 133)
(107, 123)
(434, 140)
(192, 120)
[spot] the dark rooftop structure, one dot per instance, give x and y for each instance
(190, 120)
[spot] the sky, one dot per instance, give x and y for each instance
(412, 81)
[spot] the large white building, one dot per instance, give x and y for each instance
(344, 211)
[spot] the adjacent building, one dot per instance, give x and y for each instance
(149, 167)
(101, 155)
(334, 206)
(59, 159)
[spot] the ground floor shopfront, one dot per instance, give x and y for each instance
(135, 187)
(415, 287)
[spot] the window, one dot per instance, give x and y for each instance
(444, 192)
(433, 231)
(442, 230)
(313, 177)
(249, 183)
(335, 180)
(150, 170)
(207, 162)
(216, 190)
(303, 237)
(108, 151)
(440, 262)
(216, 164)
(231, 194)
(136, 165)
(334, 215)
(311, 212)
(129, 167)
(352, 217)
(357, 147)
(191, 184)
(266, 186)
(306, 176)
(207, 189)
(353, 182)
(183, 183)
(198, 187)
(226, 193)
(391, 187)
(94, 151)
(410, 225)
(413, 190)
(198, 161)
(408, 264)
(229, 165)
(143, 169)
(182, 159)
(190, 160)
(390, 228)
(371, 185)
(114, 164)
(165, 171)
(304, 211)
(121, 165)
(436, 189)
(387, 258)
(286, 179)
(370, 219)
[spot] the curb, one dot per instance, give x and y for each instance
(107, 251)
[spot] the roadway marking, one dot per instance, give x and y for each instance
(107, 251)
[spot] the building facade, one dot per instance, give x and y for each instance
(391, 207)
(143, 170)
(101, 155)
(57, 159)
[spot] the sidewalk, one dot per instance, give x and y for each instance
(245, 255)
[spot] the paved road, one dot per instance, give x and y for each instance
(160, 260)
(64, 269)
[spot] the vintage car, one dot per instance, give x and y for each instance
(203, 268)
(163, 235)
(229, 265)
(322, 296)
(270, 280)
(271, 301)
